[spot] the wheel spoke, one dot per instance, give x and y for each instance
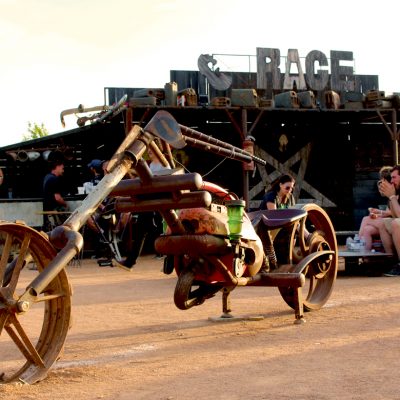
(5, 255)
(321, 274)
(49, 297)
(22, 341)
(317, 270)
(21, 261)
(3, 318)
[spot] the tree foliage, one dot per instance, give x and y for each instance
(35, 131)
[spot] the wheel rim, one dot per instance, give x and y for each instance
(30, 341)
(319, 278)
(320, 274)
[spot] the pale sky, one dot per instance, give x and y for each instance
(57, 54)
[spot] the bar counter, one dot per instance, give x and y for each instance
(30, 210)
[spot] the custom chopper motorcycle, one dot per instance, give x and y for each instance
(211, 244)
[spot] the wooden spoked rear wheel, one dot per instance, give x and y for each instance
(32, 334)
(320, 273)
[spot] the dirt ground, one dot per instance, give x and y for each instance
(129, 341)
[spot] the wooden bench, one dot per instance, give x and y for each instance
(345, 233)
(353, 259)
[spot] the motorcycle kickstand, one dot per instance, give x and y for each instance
(226, 302)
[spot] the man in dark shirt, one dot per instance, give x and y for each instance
(52, 198)
(96, 166)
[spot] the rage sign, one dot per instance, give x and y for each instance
(316, 77)
(217, 79)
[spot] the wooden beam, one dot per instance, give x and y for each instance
(392, 134)
(255, 123)
(266, 179)
(235, 124)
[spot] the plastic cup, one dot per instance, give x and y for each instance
(235, 218)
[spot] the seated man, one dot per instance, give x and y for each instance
(391, 191)
(96, 168)
(375, 224)
(53, 200)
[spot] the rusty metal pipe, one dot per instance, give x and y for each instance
(209, 139)
(272, 279)
(136, 150)
(280, 279)
(72, 242)
(193, 245)
(168, 153)
(193, 134)
(144, 172)
(120, 152)
(146, 177)
(173, 222)
(233, 280)
(167, 183)
(89, 205)
(222, 151)
(80, 109)
(67, 235)
(156, 150)
(188, 200)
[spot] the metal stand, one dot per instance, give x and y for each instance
(226, 315)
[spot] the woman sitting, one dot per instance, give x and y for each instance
(280, 195)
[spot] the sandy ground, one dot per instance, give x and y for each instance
(129, 341)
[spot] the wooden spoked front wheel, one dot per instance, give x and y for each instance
(32, 334)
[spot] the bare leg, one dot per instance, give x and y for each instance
(365, 221)
(368, 232)
(370, 227)
(396, 235)
(386, 237)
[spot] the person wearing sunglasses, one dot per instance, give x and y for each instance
(280, 195)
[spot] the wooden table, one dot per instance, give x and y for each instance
(53, 214)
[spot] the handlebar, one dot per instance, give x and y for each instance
(164, 126)
(235, 152)
(226, 152)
